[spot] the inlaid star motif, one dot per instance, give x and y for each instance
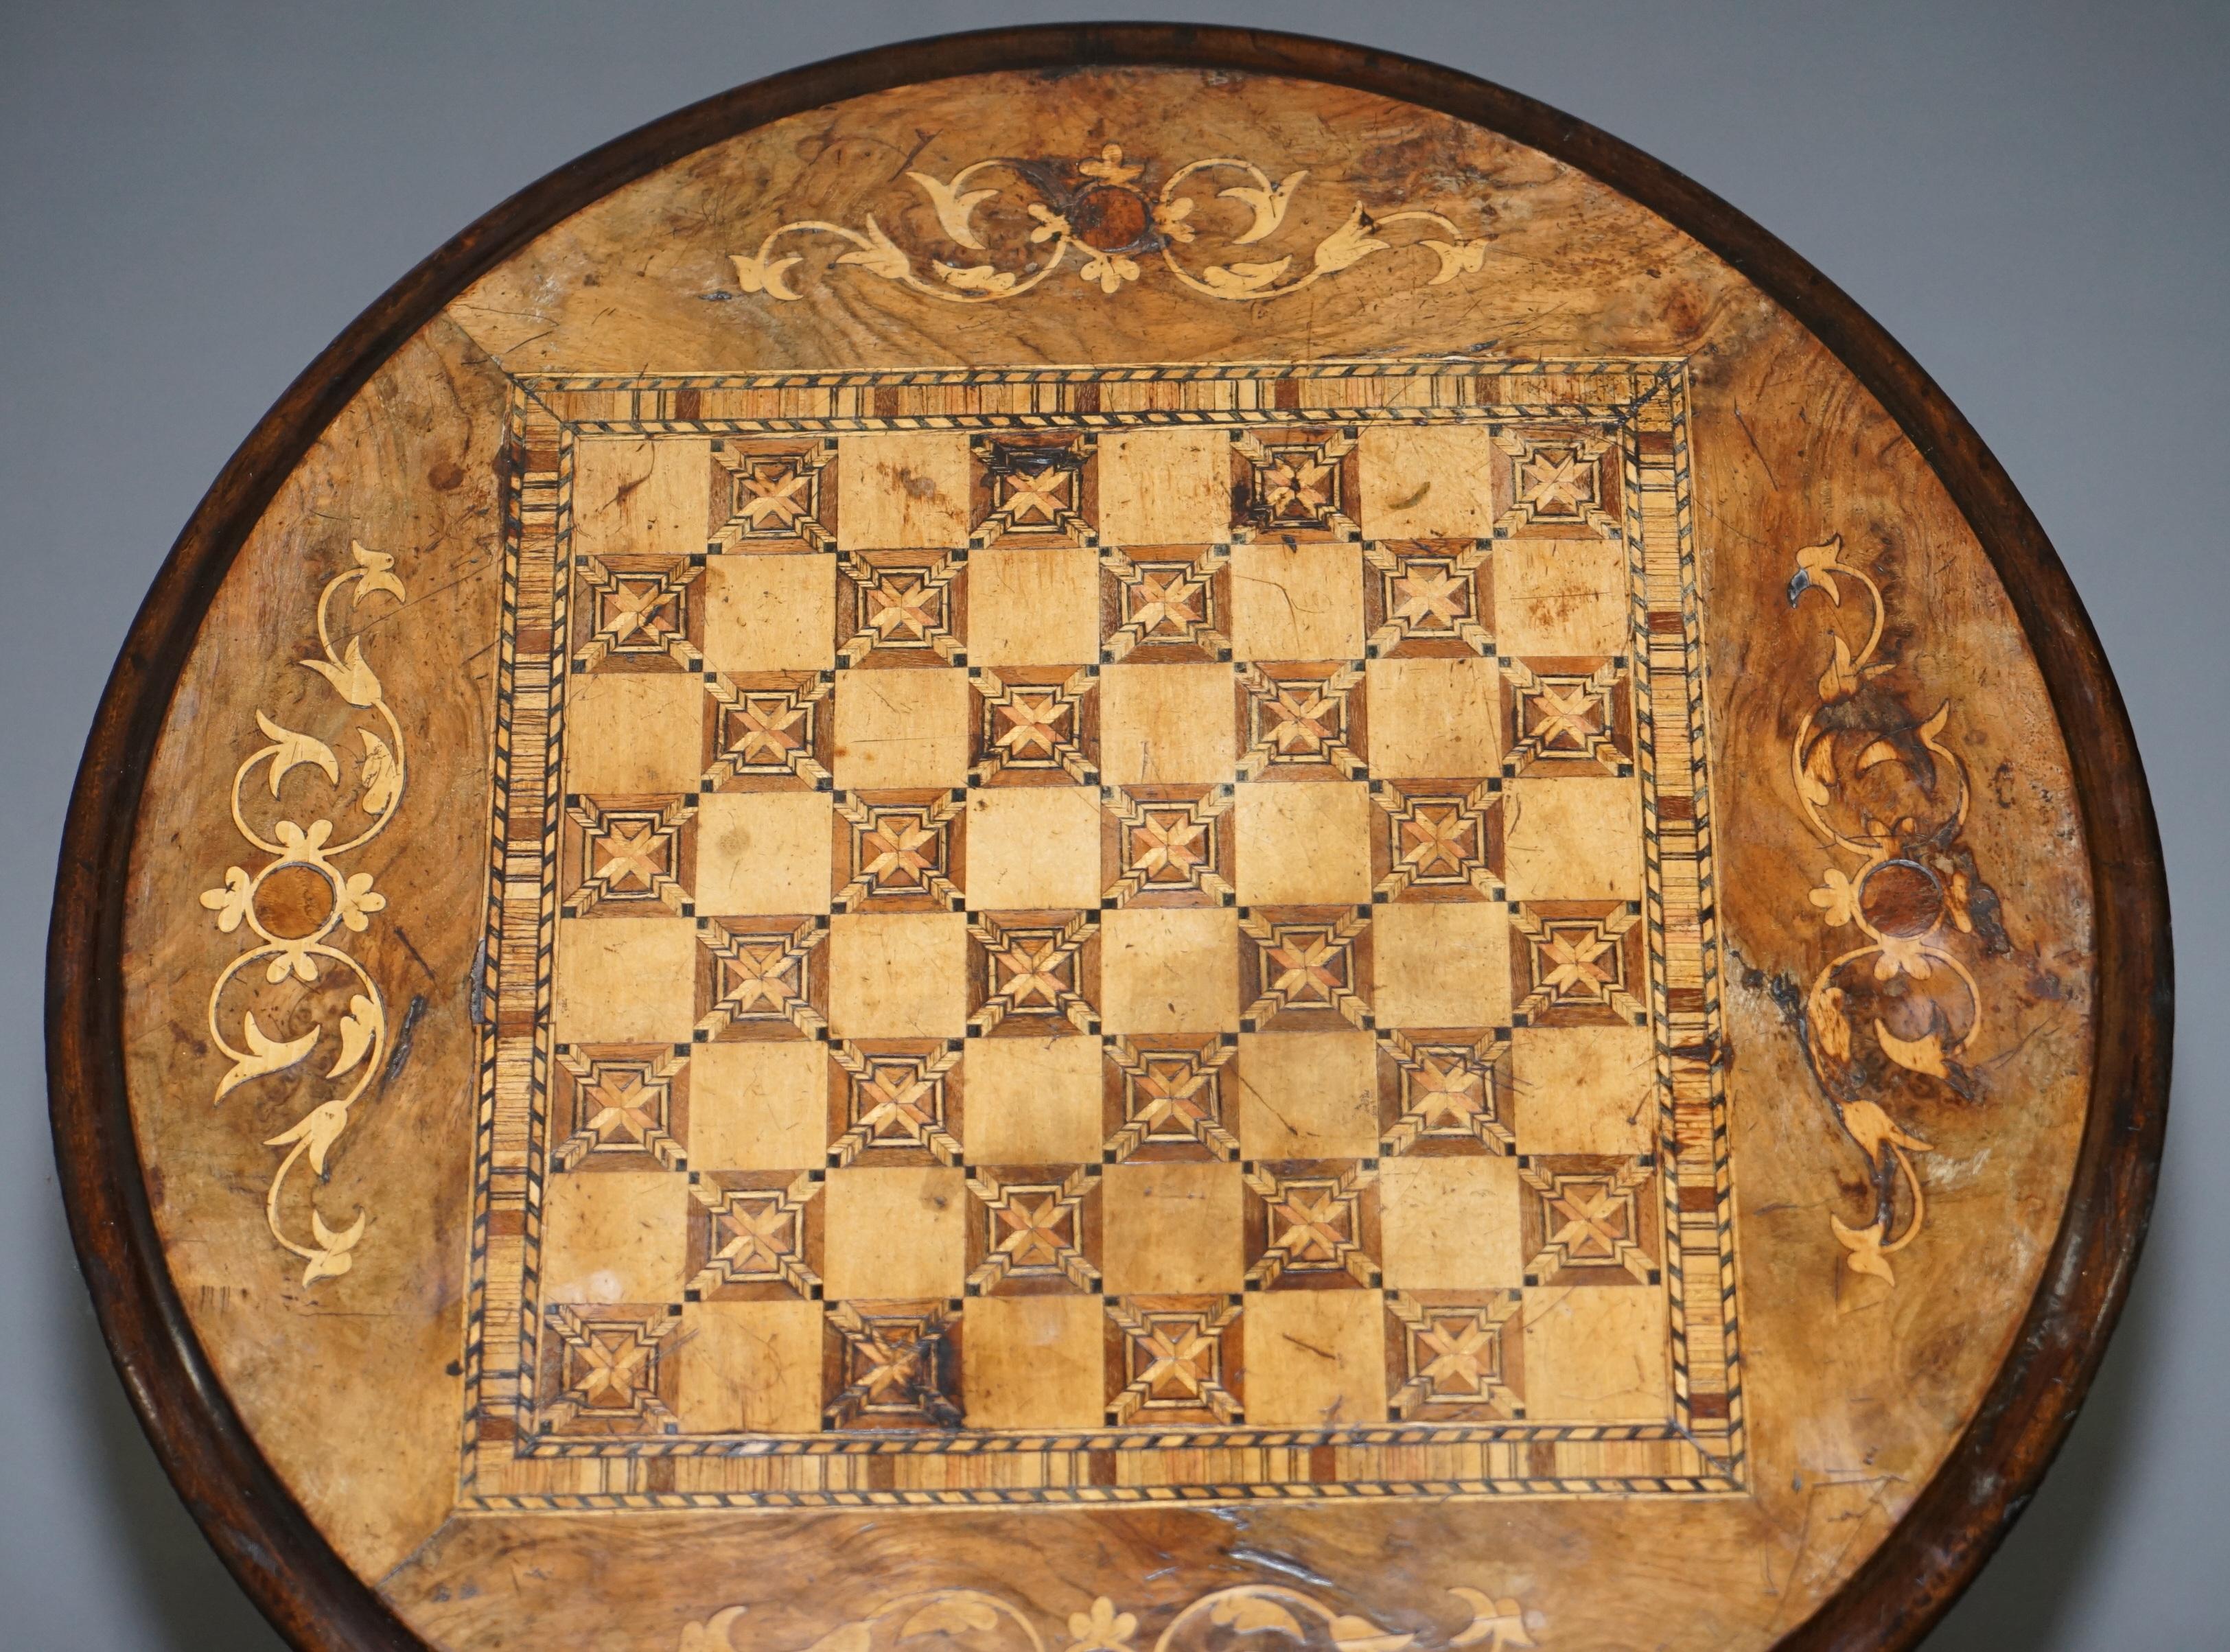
(1168, 844)
(1039, 498)
(1568, 713)
(1460, 1355)
(1167, 601)
(1033, 719)
(1442, 1087)
(903, 607)
(618, 1102)
(770, 730)
(1467, 1356)
(1036, 1229)
(631, 852)
(641, 613)
(608, 1368)
(1301, 720)
(1180, 1357)
(1303, 963)
(1558, 480)
(1173, 1094)
(627, 854)
(1302, 717)
(773, 727)
(1297, 482)
(899, 850)
(638, 606)
(1040, 969)
(1594, 1215)
(1583, 1218)
(773, 495)
(1450, 1093)
(1438, 840)
(759, 978)
(1431, 597)
(896, 1101)
(1311, 1224)
(899, 1367)
(1032, 970)
(1177, 1353)
(1310, 1227)
(606, 1374)
(1580, 962)
(1170, 1101)
(1574, 957)
(759, 1234)
(1308, 966)
(621, 1105)
(761, 974)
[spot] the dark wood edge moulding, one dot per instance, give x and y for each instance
(263, 1536)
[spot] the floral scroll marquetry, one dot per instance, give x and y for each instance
(1281, 1616)
(299, 906)
(1097, 218)
(1890, 1020)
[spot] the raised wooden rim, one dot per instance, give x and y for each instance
(263, 1535)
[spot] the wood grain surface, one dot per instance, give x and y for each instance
(1111, 838)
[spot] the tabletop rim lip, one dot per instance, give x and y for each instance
(1911, 1577)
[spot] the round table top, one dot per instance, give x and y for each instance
(1101, 839)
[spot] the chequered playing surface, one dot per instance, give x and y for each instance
(1139, 929)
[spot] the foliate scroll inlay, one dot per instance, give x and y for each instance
(297, 908)
(1289, 1616)
(1099, 218)
(1891, 1017)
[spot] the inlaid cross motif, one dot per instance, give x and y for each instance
(1438, 840)
(1167, 1100)
(1301, 722)
(762, 977)
(624, 1103)
(1457, 1357)
(1167, 607)
(1180, 1360)
(630, 855)
(1444, 1091)
(899, 1098)
(772, 496)
(610, 1370)
(641, 614)
(767, 731)
(1588, 1220)
(1427, 597)
(1311, 1226)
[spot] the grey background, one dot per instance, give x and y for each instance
(193, 200)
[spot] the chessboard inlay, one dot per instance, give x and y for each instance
(1088, 935)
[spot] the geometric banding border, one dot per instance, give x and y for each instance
(1635, 407)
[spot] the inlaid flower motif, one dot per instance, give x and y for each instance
(1110, 269)
(1101, 1630)
(229, 903)
(357, 900)
(1837, 897)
